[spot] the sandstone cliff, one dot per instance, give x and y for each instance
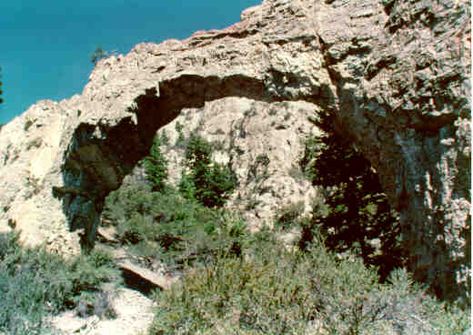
(395, 74)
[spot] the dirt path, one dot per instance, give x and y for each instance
(131, 304)
(134, 316)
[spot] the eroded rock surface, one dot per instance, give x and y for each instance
(262, 142)
(396, 74)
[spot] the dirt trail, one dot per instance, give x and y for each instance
(131, 304)
(134, 316)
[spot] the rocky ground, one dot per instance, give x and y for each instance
(130, 307)
(134, 314)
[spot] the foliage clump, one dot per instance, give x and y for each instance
(235, 282)
(167, 226)
(270, 290)
(35, 284)
(98, 54)
(355, 213)
(176, 226)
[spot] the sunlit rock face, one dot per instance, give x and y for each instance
(395, 75)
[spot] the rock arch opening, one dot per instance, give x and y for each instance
(99, 156)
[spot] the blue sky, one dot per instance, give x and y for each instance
(46, 44)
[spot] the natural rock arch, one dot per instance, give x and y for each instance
(99, 156)
(395, 76)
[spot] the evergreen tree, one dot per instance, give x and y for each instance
(98, 54)
(209, 182)
(156, 167)
(355, 212)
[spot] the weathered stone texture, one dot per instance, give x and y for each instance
(396, 74)
(262, 142)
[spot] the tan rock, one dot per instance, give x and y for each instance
(245, 133)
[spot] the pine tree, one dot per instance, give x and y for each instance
(156, 167)
(98, 54)
(211, 183)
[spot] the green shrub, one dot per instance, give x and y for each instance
(93, 303)
(168, 226)
(181, 140)
(98, 54)
(289, 215)
(164, 137)
(313, 146)
(88, 272)
(121, 204)
(34, 284)
(273, 291)
(187, 187)
(403, 305)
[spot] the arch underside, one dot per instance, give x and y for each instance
(99, 156)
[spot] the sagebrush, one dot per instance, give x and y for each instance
(35, 284)
(270, 290)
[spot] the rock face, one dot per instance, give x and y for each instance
(395, 74)
(262, 142)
